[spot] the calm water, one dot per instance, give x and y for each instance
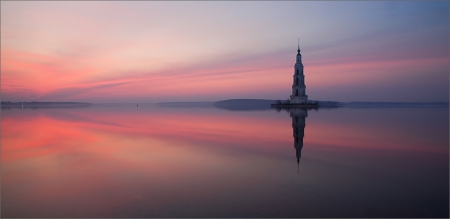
(148, 161)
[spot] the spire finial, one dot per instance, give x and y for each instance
(298, 47)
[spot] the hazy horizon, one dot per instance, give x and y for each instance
(214, 101)
(151, 52)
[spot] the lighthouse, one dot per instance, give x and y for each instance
(298, 87)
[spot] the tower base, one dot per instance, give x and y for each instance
(298, 99)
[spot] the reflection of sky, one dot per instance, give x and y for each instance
(204, 162)
(153, 51)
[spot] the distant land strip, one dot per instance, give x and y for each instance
(235, 104)
(37, 105)
(8, 103)
(362, 104)
(262, 104)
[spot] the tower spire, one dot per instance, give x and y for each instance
(298, 47)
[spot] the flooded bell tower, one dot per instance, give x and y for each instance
(298, 87)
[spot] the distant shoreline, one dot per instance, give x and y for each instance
(233, 104)
(261, 104)
(29, 103)
(395, 104)
(5, 105)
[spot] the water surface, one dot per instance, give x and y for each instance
(149, 161)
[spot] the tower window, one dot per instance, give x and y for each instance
(296, 92)
(296, 81)
(296, 71)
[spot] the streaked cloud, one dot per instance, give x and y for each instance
(154, 51)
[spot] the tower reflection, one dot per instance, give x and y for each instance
(298, 116)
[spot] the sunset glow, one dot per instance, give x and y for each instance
(207, 51)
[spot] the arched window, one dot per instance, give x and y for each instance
(296, 81)
(296, 71)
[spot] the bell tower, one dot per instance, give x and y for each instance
(298, 87)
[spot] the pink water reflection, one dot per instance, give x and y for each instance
(164, 162)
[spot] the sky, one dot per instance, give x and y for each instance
(152, 51)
